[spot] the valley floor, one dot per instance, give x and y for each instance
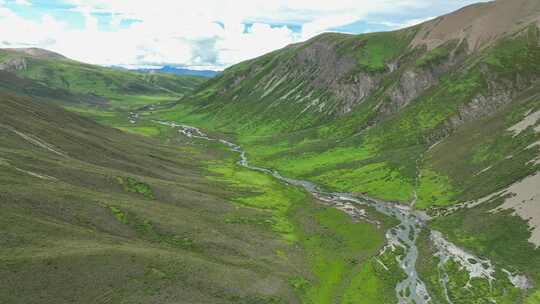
(141, 212)
(359, 272)
(94, 215)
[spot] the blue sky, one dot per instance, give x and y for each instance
(199, 34)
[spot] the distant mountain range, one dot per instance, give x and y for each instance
(181, 71)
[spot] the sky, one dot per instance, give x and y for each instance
(200, 34)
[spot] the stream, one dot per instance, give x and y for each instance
(412, 289)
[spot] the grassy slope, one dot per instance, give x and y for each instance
(162, 219)
(84, 229)
(121, 88)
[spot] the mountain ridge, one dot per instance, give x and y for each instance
(480, 24)
(36, 52)
(95, 82)
(180, 71)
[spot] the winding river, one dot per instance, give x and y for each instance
(412, 289)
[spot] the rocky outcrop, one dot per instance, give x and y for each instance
(317, 65)
(321, 57)
(332, 75)
(481, 105)
(353, 93)
(36, 53)
(411, 84)
(14, 65)
(478, 107)
(415, 81)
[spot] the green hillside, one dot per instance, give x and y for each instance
(143, 220)
(160, 217)
(120, 88)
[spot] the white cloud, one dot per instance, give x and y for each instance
(210, 33)
(23, 2)
(408, 23)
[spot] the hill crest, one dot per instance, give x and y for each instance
(37, 53)
(479, 24)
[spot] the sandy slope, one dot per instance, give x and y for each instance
(480, 23)
(526, 202)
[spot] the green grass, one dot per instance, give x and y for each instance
(479, 290)
(145, 131)
(374, 179)
(118, 214)
(501, 236)
(135, 101)
(434, 190)
(310, 162)
(374, 283)
(131, 184)
(84, 227)
(437, 55)
(380, 161)
(227, 234)
(534, 298)
(379, 48)
(366, 287)
(338, 251)
(262, 192)
(122, 88)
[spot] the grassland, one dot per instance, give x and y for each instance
(163, 218)
(113, 87)
(81, 227)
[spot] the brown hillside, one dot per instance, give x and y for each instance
(480, 23)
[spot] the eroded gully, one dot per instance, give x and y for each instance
(410, 290)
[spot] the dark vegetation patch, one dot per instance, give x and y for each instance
(131, 184)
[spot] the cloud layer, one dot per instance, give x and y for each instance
(201, 34)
